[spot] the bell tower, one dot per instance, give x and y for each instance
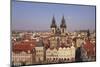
(53, 26)
(63, 26)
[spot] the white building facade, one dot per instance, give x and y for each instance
(61, 54)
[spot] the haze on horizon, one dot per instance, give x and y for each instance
(38, 16)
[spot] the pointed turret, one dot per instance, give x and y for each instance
(63, 26)
(53, 25)
(63, 23)
(88, 33)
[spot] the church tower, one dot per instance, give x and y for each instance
(53, 26)
(63, 26)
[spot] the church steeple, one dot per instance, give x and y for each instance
(53, 25)
(88, 34)
(63, 24)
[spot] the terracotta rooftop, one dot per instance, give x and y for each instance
(24, 46)
(89, 47)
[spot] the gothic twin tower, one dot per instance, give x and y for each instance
(61, 30)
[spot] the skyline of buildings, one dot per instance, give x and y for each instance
(38, 37)
(56, 46)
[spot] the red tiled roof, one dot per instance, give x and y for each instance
(89, 47)
(24, 46)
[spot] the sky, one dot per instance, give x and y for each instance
(38, 16)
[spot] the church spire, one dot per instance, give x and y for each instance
(63, 24)
(88, 34)
(53, 25)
